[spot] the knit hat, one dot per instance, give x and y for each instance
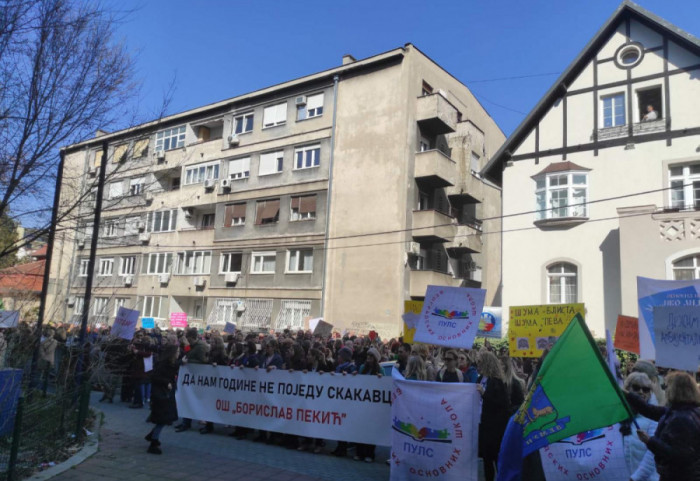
(374, 353)
(345, 352)
(647, 368)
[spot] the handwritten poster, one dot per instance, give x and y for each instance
(627, 334)
(148, 322)
(677, 334)
(532, 329)
(178, 320)
(125, 323)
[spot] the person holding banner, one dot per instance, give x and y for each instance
(676, 442)
(163, 406)
(370, 367)
(495, 410)
(449, 372)
(639, 460)
(415, 369)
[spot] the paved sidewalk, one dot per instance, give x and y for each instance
(192, 456)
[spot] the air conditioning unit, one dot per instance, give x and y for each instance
(240, 306)
(70, 301)
(232, 277)
(128, 280)
(226, 184)
(300, 100)
(81, 243)
(159, 155)
(149, 197)
(164, 278)
(413, 248)
(233, 139)
(475, 275)
(140, 225)
(189, 212)
(209, 184)
(199, 281)
(145, 237)
(93, 171)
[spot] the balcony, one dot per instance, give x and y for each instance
(435, 169)
(467, 239)
(432, 226)
(420, 280)
(640, 128)
(470, 185)
(435, 114)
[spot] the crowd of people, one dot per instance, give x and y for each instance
(665, 446)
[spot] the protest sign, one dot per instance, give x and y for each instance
(627, 334)
(178, 320)
(654, 292)
(677, 335)
(148, 322)
(412, 310)
(9, 318)
(598, 454)
(532, 329)
(434, 430)
(313, 323)
(346, 408)
(450, 316)
(10, 387)
(230, 328)
(125, 323)
(323, 328)
(491, 322)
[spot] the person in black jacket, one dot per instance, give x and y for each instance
(495, 410)
(676, 442)
(163, 406)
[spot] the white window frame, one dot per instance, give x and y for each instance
(274, 115)
(693, 269)
(563, 276)
(99, 306)
(136, 186)
(259, 257)
(197, 174)
(686, 180)
(83, 269)
(111, 228)
(119, 302)
(149, 311)
(312, 108)
(241, 171)
(547, 185)
(241, 121)
(225, 263)
(296, 268)
(170, 139)
(127, 265)
(271, 163)
(296, 216)
(187, 261)
(106, 267)
(158, 256)
(79, 305)
(310, 157)
(153, 217)
(615, 100)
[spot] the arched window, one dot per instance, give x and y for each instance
(562, 283)
(687, 268)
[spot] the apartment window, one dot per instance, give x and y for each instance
(685, 186)
(426, 89)
(140, 148)
(271, 163)
(79, 305)
(200, 173)
(131, 226)
(423, 144)
(99, 307)
(162, 221)
(561, 280)
(275, 115)
(116, 190)
(170, 138)
(292, 314)
(650, 97)
(208, 221)
(687, 268)
(239, 168)
(119, 302)
(307, 157)
(263, 262)
(111, 228)
(474, 163)
(267, 212)
(136, 186)
(561, 194)
(127, 266)
(300, 260)
(98, 158)
(312, 108)
(231, 262)
(243, 123)
(614, 110)
(234, 215)
(106, 267)
(158, 263)
(303, 207)
(120, 152)
(153, 307)
(194, 262)
(84, 267)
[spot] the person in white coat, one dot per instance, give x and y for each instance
(639, 460)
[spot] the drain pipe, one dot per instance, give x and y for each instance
(328, 195)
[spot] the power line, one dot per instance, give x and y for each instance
(518, 77)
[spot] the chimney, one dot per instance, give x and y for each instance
(348, 59)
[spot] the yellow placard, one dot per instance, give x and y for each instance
(532, 329)
(414, 307)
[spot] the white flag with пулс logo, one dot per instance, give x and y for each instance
(435, 430)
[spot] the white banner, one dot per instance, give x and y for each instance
(435, 430)
(327, 406)
(450, 316)
(125, 323)
(596, 454)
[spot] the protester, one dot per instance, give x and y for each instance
(639, 460)
(647, 367)
(403, 352)
(495, 410)
(423, 351)
(217, 357)
(370, 367)
(515, 387)
(47, 356)
(197, 354)
(163, 406)
(415, 369)
(345, 366)
(449, 372)
(676, 442)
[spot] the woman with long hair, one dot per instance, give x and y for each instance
(495, 410)
(370, 367)
(415, 369)
(515, 387)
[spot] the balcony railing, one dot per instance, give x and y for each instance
(639, 128)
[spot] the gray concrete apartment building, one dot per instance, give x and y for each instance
(340, 194)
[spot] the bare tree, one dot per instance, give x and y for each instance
(62, 77)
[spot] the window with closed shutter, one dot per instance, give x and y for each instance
(275, 115)
(271, 163)
(267, 212)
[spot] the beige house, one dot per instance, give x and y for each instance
(340, 194)
(601, 181)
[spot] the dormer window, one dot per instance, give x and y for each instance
(561, 192)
